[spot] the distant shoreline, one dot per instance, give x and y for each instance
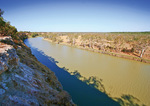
(125, 56)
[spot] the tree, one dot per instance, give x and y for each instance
(1, 13)
(5, 28)
(142, 44)
(34, 34)
(118, 41)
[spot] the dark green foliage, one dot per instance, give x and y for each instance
(34, 35)
(132, 50)
(1, 13)
(22, 35)
(6, 29)
(128, 50)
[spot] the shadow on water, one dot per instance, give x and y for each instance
(129, 100)
(82, 94)
(93, 81)
(84, 91)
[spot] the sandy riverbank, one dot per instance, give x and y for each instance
(121, 54)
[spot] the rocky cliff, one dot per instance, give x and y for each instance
(24, 80)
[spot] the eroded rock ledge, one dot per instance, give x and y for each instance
(25, 81)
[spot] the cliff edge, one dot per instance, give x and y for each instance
(24, 80)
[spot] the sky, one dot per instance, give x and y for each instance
(78, 15)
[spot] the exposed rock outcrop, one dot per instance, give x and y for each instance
(25, 81)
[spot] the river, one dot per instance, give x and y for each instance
(86, 75)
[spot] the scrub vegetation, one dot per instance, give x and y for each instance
(130, 45)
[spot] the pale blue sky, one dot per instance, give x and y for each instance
(78, 16)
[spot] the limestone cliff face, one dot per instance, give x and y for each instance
(8, 59)
(25, 81)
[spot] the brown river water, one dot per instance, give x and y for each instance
(119, 76)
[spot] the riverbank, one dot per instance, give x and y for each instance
(120, 55)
